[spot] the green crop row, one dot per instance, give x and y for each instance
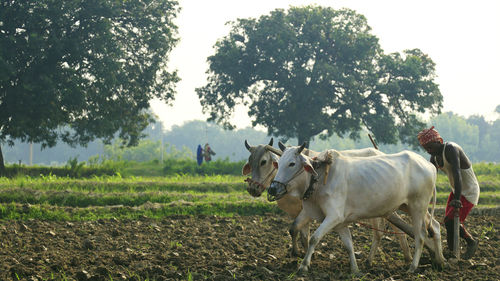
(55, 197)
(179, 182)
(87, 199)
(14, 211)
(79, 199)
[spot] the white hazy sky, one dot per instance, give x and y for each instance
(461, 37)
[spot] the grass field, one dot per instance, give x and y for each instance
(57, 198)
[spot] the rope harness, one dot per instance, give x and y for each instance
(314, 179)
(273, 197)
(262, 186)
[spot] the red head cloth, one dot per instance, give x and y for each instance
(429, 135)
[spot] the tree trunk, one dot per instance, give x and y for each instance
(2, 166)
(302, 138)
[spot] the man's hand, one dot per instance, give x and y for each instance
(456, 203)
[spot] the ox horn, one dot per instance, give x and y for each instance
(247, 146)
(271, 142)
(274, 150)
(301, 148)
(282, 146)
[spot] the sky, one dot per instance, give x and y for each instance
(461, 37)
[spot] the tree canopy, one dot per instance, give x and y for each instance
(314, 70)
(92, 65)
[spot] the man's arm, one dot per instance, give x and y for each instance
(452, 155)
(433, 161)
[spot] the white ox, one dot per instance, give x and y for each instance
(260, 165)
(361, 188)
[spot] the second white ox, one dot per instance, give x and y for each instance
(361, 188)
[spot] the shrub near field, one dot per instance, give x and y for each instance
(153, 168)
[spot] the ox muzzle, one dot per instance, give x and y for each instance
(255, 188)
(276, 191)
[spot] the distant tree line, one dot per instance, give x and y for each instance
(479, 138)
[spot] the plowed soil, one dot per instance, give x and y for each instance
(216, 248)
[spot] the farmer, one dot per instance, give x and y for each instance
(208, 152)
(450, 158)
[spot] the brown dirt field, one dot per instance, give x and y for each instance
(215, 248)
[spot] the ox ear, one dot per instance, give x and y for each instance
(275, 159)
(308, 165)
(246, 169)
(281, 145)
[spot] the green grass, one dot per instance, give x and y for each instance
(14, 211)
(62, 198)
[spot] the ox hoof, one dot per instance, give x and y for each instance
(356, 273)
(295, 254)
(438, 264)
(411, 269)
(303, 270)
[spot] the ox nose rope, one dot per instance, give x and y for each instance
(276, 197)
(251, 181)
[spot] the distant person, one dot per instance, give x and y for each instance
(199, 155)
(208, 152)
(450, 158)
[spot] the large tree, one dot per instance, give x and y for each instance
(91, 64)
(314, 70)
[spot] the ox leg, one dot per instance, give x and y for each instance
(300, 224)
(345, 236)
(403, 242)
(376, 223)
(328, 224)
(304, 236)
(434, 243)
(295, 248)
(418, 230)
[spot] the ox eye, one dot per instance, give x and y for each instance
(263, 162)
(291, 164)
